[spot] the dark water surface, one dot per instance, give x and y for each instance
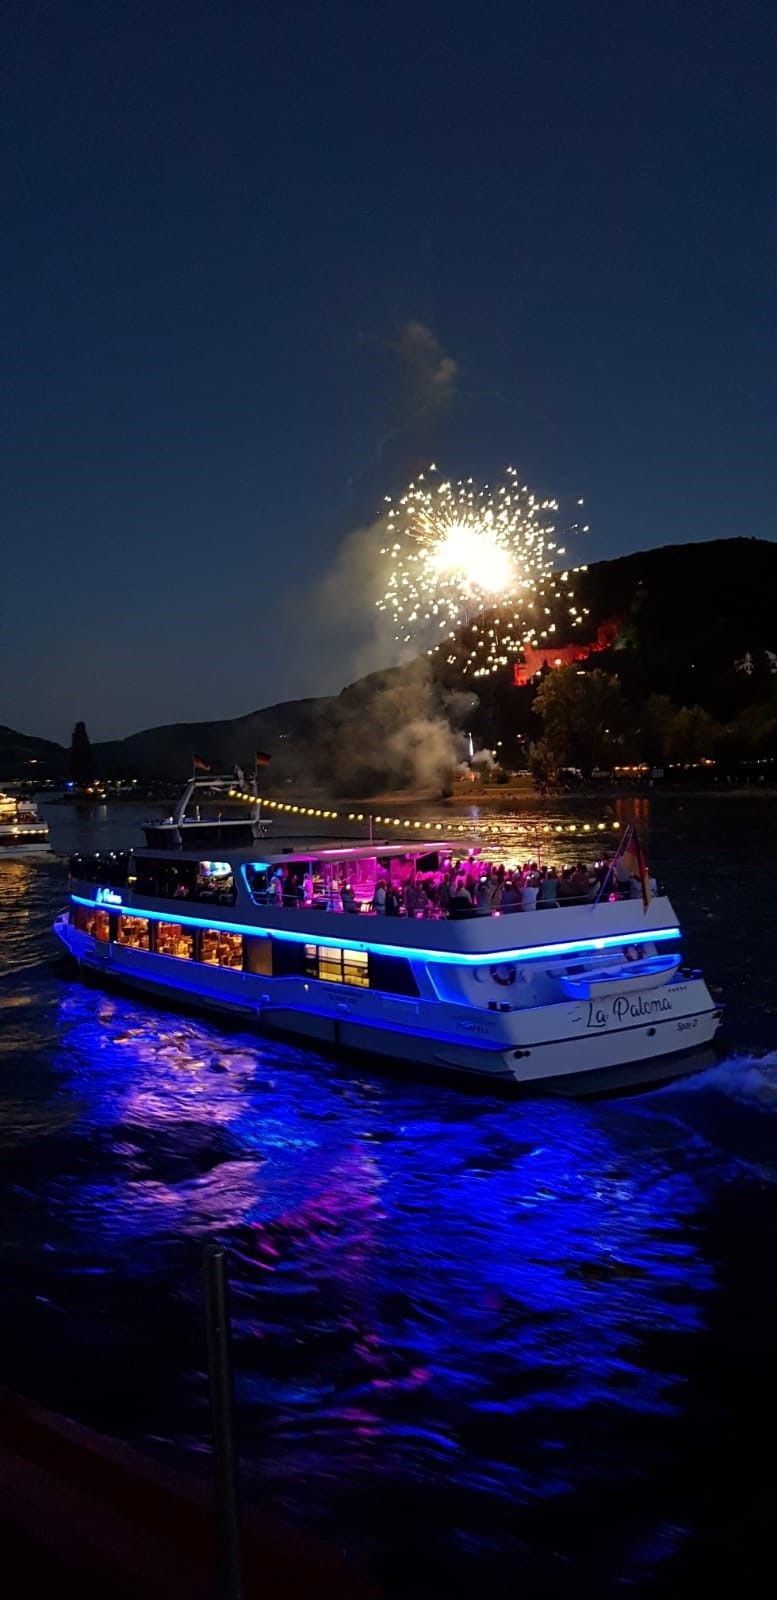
(523, 1343)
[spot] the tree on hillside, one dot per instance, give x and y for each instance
(693, 734)
(752, 734)
(542, 767)
(81, 763)
(667, 732)
(583, 715)
(656, 724)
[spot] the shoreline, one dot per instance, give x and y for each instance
(514, 797)
(506, 796)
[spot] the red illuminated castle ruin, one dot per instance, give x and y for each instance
(562, 655)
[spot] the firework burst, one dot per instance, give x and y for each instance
(465, 556)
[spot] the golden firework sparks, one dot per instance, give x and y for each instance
(457, 551)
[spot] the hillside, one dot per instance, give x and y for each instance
(22, 755)
(686, 615)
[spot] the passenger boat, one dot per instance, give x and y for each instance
(283, 932)
(22, 833)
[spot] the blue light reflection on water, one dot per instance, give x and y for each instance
(428, 1290)
(464, 1326)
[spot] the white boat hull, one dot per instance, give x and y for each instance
(19, 852)
(640, 1032)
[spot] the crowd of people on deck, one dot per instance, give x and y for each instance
(469, 888)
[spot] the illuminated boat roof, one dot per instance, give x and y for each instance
(322, 847)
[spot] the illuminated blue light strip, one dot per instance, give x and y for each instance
(534, 952)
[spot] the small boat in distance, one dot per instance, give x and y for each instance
(22, 833)
(198, 820)
(381, 946)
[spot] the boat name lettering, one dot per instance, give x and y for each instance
(622, 1006)
(108, 897)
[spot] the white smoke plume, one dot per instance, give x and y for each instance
(427, 378)
(431, 375)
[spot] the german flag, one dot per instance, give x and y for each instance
(262, 759)
(199, 765)
(642, 871)
(632, 857)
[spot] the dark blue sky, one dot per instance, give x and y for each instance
(220, 221)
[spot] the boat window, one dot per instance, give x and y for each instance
(107, 867)
(160, 878)
(215, 881)
(258, 956)
(332, 965)
(282, 958)
(220, 949)
(257, 875)
(288, 958)
(171, 939)
(133, 932)
(102, 926)
(356, 968)
(391, 974)
(85, 918)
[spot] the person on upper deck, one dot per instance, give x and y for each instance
(460, 902)
(410, 895)
(379, 899)
(603, 869)
(483, 895)
(547, 896)
(581, 883)
(529, 893)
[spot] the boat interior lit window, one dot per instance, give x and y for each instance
(220, 949)
(171, 939)
(133, 932)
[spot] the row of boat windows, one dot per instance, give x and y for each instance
(267, 958)
(185, 880)
(107, 867)
(159, 879)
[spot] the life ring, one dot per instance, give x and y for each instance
(503, 975)
(632, 952)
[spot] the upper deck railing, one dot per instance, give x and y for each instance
(441, 894)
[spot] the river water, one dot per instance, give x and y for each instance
(524, 1343)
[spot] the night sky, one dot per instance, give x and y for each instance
(261, 262)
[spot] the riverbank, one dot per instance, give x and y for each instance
(497, 797)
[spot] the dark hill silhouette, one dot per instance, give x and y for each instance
(687, 614)
(22, 755)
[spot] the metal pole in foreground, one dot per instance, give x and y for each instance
(221, 1409)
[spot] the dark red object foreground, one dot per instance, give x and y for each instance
(107, 1520)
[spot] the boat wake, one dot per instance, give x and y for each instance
(748, 1078)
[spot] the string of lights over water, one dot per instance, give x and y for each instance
(478, 1340)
